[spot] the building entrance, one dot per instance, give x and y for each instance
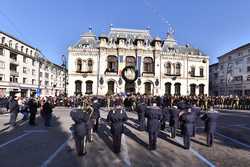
(130, 87)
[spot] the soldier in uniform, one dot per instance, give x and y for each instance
(173, 120)
(117, 117)
(90, 124)
(196, 111)
(96, 107)
(154, 116)
(80, 129)
(165, 111)
(187, 118)
(141, 109)
(181, 105)
(210, 119)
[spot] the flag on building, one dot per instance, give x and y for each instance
(121, 64)
(138, 65)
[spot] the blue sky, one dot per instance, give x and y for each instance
(214, 26)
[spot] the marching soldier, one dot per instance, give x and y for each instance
(141, 109)
(181, 105)
(96, 107)
(80, 129)
(210, 119)
(173, 120)
(91, 120)
(187, 119)
(154, 116)
(196, 112)
(117, 117)
(164, 117)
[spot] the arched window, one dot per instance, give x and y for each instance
(89, 87)
(90, 65)
(177, 89)
(79, 65)
(148, 65)
(10, 43)
(30, 52)
(201, 71)
(201, 89)
(27, 50)
(3, 40)
(130, 61)
(16, 46)
(192, 72)
(168, 68)
(78, 87)
(112, 64)
(178, 69)
(111, 87)
(168, 88)
(21, 48)
(192, 89)
(148, 88)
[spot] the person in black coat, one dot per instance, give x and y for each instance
(210, 119)
(154, 116)
(46, 113)
(96, 106)
(117, 117)
(165, 111)
(33, 105)
(141, 109)
(80, 129)
(181, 105)
(187, 119)
(196, 111)
(173, 120)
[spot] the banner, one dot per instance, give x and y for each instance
(138, 65)
(121, 64)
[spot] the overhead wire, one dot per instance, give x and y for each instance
(158, 14)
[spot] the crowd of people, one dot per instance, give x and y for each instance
(218, 102)
(28, 107)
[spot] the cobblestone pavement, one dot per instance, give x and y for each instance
(39, 146)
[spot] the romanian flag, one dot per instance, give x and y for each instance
(121, 64)
(138, 65)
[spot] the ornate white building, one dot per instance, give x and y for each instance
(23, 70)
(130, 60)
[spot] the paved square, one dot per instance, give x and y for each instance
(40, 146)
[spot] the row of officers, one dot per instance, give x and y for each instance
(152, 119)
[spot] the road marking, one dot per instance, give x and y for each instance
(201, 157)
(196, 153)
(124, 152)
(232, 114)
(244, 127)
(240, 125)
(46, 163)
(36, 131)
(233, 140)
(15, 139)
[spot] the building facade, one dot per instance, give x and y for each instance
(231, 75)
(130, 60)
(23, 70)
